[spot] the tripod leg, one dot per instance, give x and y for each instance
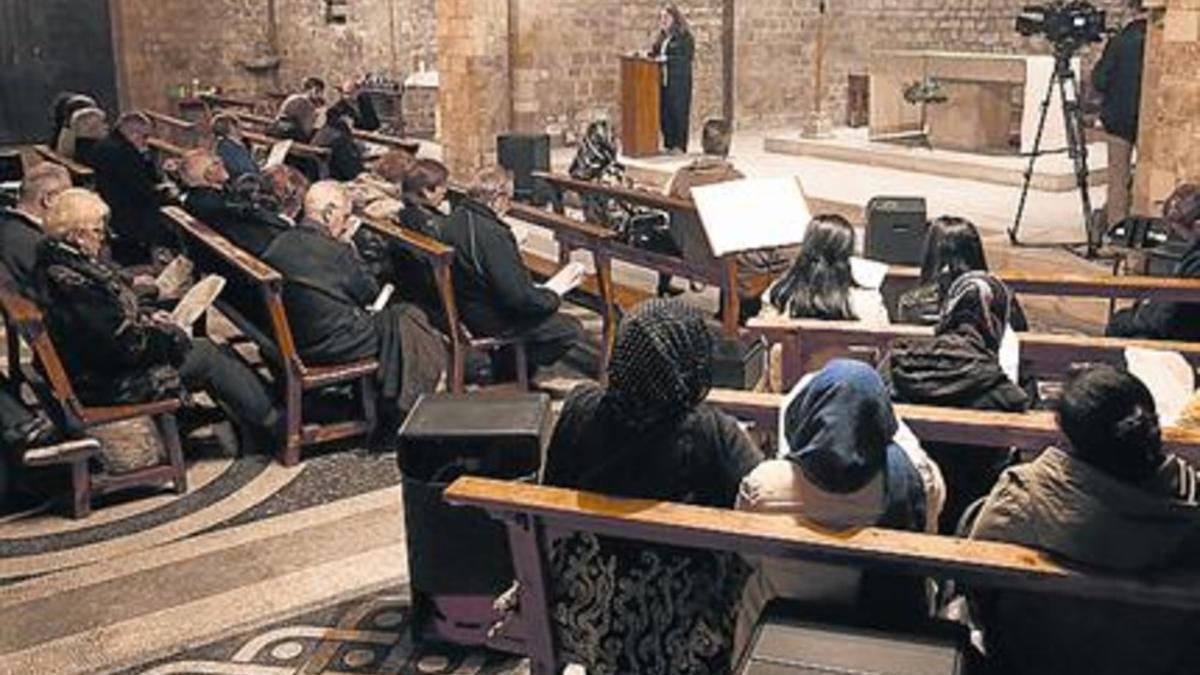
(1078, 150)
(1033, 155)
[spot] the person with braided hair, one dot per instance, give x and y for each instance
(649, 435)
(1112, 499)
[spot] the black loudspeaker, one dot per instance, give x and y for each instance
(523, 154)
(458, 557)
(896, 229)
(790, 647)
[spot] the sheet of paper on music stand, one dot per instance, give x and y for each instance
(279, 153)
(197, 301)
(1169, 377)
(752, 214)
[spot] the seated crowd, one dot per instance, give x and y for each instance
(1110, 497)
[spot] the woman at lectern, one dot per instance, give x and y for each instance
(675, 47)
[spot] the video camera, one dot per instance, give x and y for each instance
(1065, 24)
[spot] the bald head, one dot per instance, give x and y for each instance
(40, 186)
(328, 204)
(203, 168)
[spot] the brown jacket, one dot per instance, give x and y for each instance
(1076, 512)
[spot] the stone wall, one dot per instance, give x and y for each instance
(1169, 142)
(162, 44)
(776, 46)
(566, 59)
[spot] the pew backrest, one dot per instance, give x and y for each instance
(80, 174)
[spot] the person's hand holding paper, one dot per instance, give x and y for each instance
(567, 279)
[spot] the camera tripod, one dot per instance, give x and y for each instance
(1064, 81)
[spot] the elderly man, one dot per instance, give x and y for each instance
(206, 197)
(132, 186)
(327, 291)
(21, 225)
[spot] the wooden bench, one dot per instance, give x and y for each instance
(54, 391)
(536, 515)
(722, 272)
(211, 250)
(81, 175)
(410, 145)
(302, 150)
(808, 344)
(174, 129)
(1031, 431)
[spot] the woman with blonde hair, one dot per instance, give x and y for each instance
(117, 350)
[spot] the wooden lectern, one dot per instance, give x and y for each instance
(641, 78)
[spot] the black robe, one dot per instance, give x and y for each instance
(675, 102)
(19, 240)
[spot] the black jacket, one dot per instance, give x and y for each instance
(248, 226)
(361, 110)
(1118, 77)
(287, 130)
(326, 288)
(345, 157)
(19, 239)
(493, 288)
(130, 183)
(955, 370)
(679, 52)
(111, 349)
(922, 306)
(1163, 320)
(411, 274)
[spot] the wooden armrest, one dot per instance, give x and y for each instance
(171, 121)
(96, 415)
(17, 308)
(654, 200)
(76, 169)
(298, 149)
(167, 147)
(244, 262)
(315, 377)
(407, 144)
(413, 241)
(1076, 285)
(62, 453)
(228, 101)
(980, 562)
(561, 224)
(251, 118)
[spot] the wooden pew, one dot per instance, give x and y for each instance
(900, 279)
(808, 344)
(175, 130)
(1031, 431)
(54, 390)
(409, 145)
(535, 515)
(277, 344)
(304, 150)
(80, 175)
(224, 101)
(722, 272)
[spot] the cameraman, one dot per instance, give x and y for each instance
(1118, 78)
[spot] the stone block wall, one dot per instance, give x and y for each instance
(162, 44)
(1169, 141)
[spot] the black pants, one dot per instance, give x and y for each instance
(230, 383)
(546, 343)
(675, 110)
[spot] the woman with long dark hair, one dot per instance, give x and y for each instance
(821, 282)
(953, 247)
(675, 47)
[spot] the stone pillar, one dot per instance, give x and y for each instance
(475, 90)
(1170, 117)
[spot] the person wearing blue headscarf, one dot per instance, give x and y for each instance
(845, 461)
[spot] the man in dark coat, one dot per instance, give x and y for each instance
(132, 186)
(1167, 320)
(21, 225)
(1118, 78)
(239, 220)
(345, 157)
(495, 294)
(357, 105)
(327, 289)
